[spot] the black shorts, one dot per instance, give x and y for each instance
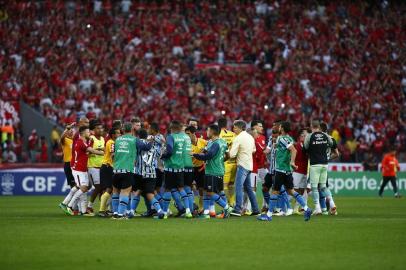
(285, 179)
(122, 180)
(268, 181)
(106, 176)
(68, 173)
(174, 180)
(136, 182)
(159, 178)
(199, 176)
(188, 177)
(213, 183)
(148, 185)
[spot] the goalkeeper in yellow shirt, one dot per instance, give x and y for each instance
(230, 165)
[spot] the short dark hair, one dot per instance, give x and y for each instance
(127, 127)
(323, 126)
(82, 129)
(255, 122)
(215, 128)
(154, 126)
(286, 126)
(116, 124)
(301, 130)
(222, 123)
(93, 123)
(240, 123)
(175, 125)
(113, 130)
(191, 129)
(277, 122)
(142, 133)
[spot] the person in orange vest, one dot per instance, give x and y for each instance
(390, 166)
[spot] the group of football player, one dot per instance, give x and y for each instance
(196, 169)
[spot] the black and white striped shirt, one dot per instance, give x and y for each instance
(148, 162)
(271, 156)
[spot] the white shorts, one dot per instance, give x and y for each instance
(261, 175)
(94, 174)
(81, 178)
(299, 180)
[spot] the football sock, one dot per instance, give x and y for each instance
(212, 207)
(83, 202)
(286, 200)
(329, 196)
(223, 195)
(115, 200)
(135, 200)
(167, 200)
(177, 198)
(316, 197)
(266, 198)
(156, 205)
(273, 200)
(206, 204)
(103, 201)
(191, 197)
(158, 197)
(70, 195)
(322, 201)
(281, 203)
(216, 198)
(185, 199)
(75, 198)
(122, 207)
(129, 204)
(300, 200)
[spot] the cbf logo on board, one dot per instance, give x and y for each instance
(7, 184)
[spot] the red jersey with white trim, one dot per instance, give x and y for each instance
(74, 140)
(302, 160)
(259, 157)
(80, 156)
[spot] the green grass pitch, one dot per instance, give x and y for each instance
(368, 233)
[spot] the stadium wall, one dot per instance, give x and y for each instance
(32, 119)
(52, 181)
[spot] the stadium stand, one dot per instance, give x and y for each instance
(342, 62)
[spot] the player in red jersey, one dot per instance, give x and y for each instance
(259, 170)
(80, 150)
(300, 174)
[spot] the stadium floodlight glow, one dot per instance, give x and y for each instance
(266, 107)
(212, 92)
(223, 112)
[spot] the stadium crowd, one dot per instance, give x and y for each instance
(341, 62)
